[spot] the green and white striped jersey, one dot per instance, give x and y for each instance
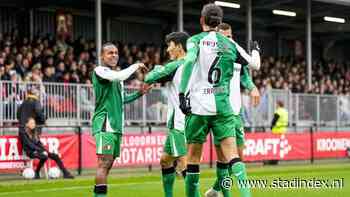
(110, 98)
(210, 75)
(170, 73)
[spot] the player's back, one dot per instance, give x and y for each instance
(212, 74)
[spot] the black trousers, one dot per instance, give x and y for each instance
(43, 158)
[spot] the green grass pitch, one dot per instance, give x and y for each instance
(149, 184)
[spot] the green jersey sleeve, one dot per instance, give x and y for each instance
(162, 73)
(190, 59)
(246, 79)
(128, 98)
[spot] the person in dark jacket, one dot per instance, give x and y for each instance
(31, 108)
(32, 146)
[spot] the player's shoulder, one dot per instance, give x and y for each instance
(194, 41)
(101, 69)
(196, 38)
(223, 38)
(100, 72)
(226, 42)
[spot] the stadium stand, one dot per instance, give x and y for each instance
(49, 60)
(330, 77)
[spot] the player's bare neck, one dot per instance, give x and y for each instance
(106, 65)
(208, 29)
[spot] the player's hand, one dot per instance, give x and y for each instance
(254, 45)
(255, 97)
(143, 68)
(145, 88)
(184, 104)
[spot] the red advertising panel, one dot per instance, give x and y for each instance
(136, 150)
(11, 154)
(267, 146)
(146, 149)
(65, 145)
(331, 144)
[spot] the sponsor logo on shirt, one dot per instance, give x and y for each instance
(209, 43)
(214, 90)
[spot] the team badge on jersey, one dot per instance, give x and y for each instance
(107, 147)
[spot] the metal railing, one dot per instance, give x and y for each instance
(303, 109)
(73, 104)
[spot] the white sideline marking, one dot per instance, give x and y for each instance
(73, 188)
(83, 187)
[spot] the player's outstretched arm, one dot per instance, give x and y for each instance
(111, 75)
(247, 83)
(253, 61)
(162, 73)
(246, 80)
(256, 61)
(128, 98)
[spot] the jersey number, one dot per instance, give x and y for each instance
(214, 73)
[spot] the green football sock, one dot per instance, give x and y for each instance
(100, 190)
(216, 185)
(192, 181)
(224, 179)
(168, 179)
(239, 172)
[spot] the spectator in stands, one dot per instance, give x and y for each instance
(49, 61)
(23, 68)
(9, 65)
(2, 71)
(32, 146)
(329, 77)
(49, 74)
(60, 69)
(2, 59)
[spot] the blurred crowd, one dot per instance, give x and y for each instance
(48, 59)
(329, 77)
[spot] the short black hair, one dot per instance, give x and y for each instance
(212, 14)
(224, 26)
(177, 38)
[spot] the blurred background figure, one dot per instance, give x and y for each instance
(34, 149)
